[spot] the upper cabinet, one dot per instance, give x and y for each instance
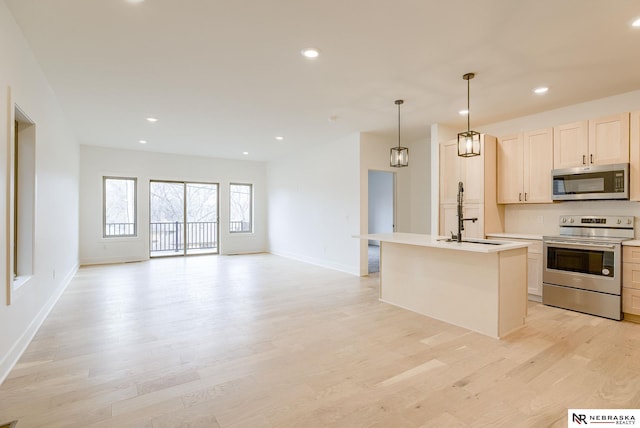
(634, 156)
(594, 142)
(609, 140)
(525, 162)
(571, 145)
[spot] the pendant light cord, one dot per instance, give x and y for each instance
(399, 125)
(399, 103)
(468, 107)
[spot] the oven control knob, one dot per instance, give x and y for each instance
(571, 220)
(564, 219)
(628, 221)
(619, 221)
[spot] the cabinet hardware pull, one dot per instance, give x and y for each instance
(591, 158)
(525, 196)
(584, 160)
(520, 197)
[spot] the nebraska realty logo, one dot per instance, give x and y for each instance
(600, 417)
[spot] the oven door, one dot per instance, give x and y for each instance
(591, 266)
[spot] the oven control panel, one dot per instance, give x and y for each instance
(618, 222)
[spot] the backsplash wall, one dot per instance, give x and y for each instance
(542, 219)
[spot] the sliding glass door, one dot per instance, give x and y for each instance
(183, 218)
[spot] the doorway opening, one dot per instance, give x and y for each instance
(183, 218)
(381, 212)
(22, 199)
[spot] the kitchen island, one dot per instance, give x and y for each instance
(480, 285)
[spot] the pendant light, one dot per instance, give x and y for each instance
(399, 155)
(469, 141)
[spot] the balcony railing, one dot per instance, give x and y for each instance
(120, 229)
(169, 236)
(239, 226)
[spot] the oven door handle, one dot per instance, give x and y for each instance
(580, 245)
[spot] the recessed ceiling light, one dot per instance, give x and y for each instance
(541, 90)
(636, 23)
(245, 153)
(152, 119)
(279, 138)
(135, 1)
(463, 112)
(310, 52)
(142, 141)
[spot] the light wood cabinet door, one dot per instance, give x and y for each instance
(570, 145)
(450, 173)
(634, 156)
(524, 167)
(510, 169)
(609, 140)
(534, 274)
(474, 229)
(631, 275)
(630, 254)
(449, 220)
(472, 175)
(630, 301)
(538, 163)
(534, 265)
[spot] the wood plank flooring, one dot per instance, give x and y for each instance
(263, 341)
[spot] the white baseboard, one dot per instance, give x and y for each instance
(18, 348)
(353, 270)
(111, 260)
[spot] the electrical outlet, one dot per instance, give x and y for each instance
(54, 274)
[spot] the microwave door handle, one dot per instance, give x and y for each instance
(580, 245)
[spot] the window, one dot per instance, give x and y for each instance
(119, 205)
(241, 208)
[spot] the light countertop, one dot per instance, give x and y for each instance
(632, 243)
(516, 236)
(435, 241)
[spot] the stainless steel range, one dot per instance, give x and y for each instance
(583, 265)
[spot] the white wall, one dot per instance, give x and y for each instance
(97, 162)
(318, 199)
(56, 212)
(420, 176)
(314, 205)
(412, 186)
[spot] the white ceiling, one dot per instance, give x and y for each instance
(226, 76)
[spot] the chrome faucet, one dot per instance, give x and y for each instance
(461, 218)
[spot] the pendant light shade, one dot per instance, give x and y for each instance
(469, 141)
(399, 155)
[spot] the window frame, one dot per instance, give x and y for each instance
(104, 207)
(250, 185)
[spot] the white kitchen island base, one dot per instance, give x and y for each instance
(481, 288)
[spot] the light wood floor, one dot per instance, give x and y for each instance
(262, 341)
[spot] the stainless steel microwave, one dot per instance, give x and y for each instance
(591, 182)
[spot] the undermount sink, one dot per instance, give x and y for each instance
(473, 241)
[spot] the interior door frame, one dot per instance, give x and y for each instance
(394, 196)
